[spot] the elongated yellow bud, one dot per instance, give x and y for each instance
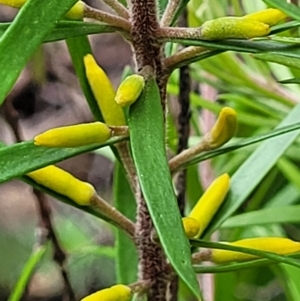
(64, 183)
(233, 28)
(276, 245)
(104, 92)
(118, 292)
(129, 90)
(191, 227)
(224, 128)
(74, 135)
(270, 16)
(76, 12)
(210, 201)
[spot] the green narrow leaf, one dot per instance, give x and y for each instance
(126, 259)
(284, 214)
(78, 48)
(290, 171)
(16, 160)
(27, 272)
(68, 29)
(249, 175)
(32, 24)
(279, 59)
(148, 149)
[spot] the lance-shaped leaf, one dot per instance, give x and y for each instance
(148, 149)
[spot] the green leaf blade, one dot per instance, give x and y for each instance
(148, 148)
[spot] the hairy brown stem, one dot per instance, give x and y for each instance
(92, 13)
(148, 55)
(118, 8)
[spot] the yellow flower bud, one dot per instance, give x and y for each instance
(104, 92)
(191, 227)
(76, 12)
(276, 245)
(210, 202)
(224, 128)
(270, 16)
(74, 135)
(129, 90)
(118, 292)
(64, 183)
(13, 3)
(233, 28)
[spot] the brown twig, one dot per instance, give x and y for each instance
(45, 228)
(59, 255)
(118, 8)
(92, 13)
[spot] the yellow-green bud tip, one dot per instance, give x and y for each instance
(191, 226)
(129, 90)
(270, 16)
(118, 292)
(74, 135)
(224, 128)
(76, 12)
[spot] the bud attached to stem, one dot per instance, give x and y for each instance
(74, 135)
(276, 245)
(118, 292)
(223, 130)
(64, 183)
(129, 90)
(104, 92)
(233, 28)
(210, 202)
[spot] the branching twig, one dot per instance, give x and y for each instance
(90, 12)
(45, 229)
(112, 213)
(118, 8)
(169, 12)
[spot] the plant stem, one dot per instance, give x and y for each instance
(112, 213)
(186, 155)
(169, 12)
(92, 13)
(118, 8)
(169, 33)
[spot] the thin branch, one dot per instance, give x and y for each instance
(169, 13)
(45, 228)
(169, 33)
(118, 8)
(130, 170)
(112, 213)
(183, 57)
(176, 162)
(59, 256)
(92, 13)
